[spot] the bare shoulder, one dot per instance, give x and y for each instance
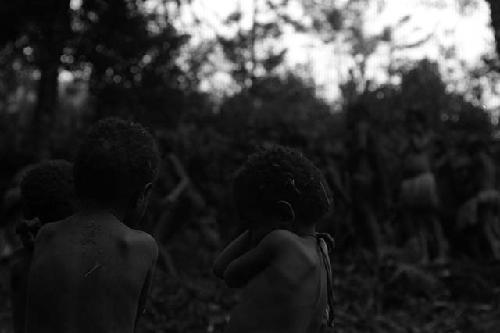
(279, 239)
(48, 238)
(49, 230)
(47, 233)
(290, 244)
(143, 242)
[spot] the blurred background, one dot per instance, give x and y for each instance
(396, 101)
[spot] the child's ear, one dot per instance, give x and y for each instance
(144, 195)
(285, 211)
(138, 206)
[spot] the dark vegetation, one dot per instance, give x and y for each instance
(125, 62)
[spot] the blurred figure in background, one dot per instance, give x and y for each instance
(368, 186)
(479, 216)
(11, 214)
(419, 194)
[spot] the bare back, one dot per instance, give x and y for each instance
(89, 274)
(290, 295)
(19, 269)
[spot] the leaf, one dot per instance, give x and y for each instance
(274, 60)
(417, 43)
(234, 17)
(297, 25)
(335, 19)
(403, 20)
(386, 35)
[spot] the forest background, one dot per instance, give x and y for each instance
(65, 64)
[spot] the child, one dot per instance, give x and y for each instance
(47, 193)
(92, 272)
(280, 259)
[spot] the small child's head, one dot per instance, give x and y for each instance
(279, 185)
(115, 167)
(47, 191)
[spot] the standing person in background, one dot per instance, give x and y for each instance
(479, 216)
(419, 194)
(368, 186)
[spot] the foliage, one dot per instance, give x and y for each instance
(131, 55)
(124, 60)
(249, 51)
(343, 25)
(123, 53)
(495, 21)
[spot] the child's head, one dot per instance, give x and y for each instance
(47, 191)
(115, 167)
(280, 184)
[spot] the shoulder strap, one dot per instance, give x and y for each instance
(330, 243)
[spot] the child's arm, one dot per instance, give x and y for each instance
(244, 268)
(235, 249)
(146, 289)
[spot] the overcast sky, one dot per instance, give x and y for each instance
(469, 33)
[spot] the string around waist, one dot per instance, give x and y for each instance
(330, 245)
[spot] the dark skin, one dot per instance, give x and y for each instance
(19, 270)
(91, 272)
(283, 276)
(249, 239)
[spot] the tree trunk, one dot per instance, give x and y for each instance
(45, 108)
(253, 37)
(54, 28)
(495, 21)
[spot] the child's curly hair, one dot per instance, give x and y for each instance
(281, 174)
(115, 161)
(47, 191)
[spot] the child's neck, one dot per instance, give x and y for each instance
(91, 208)
(304, 230)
